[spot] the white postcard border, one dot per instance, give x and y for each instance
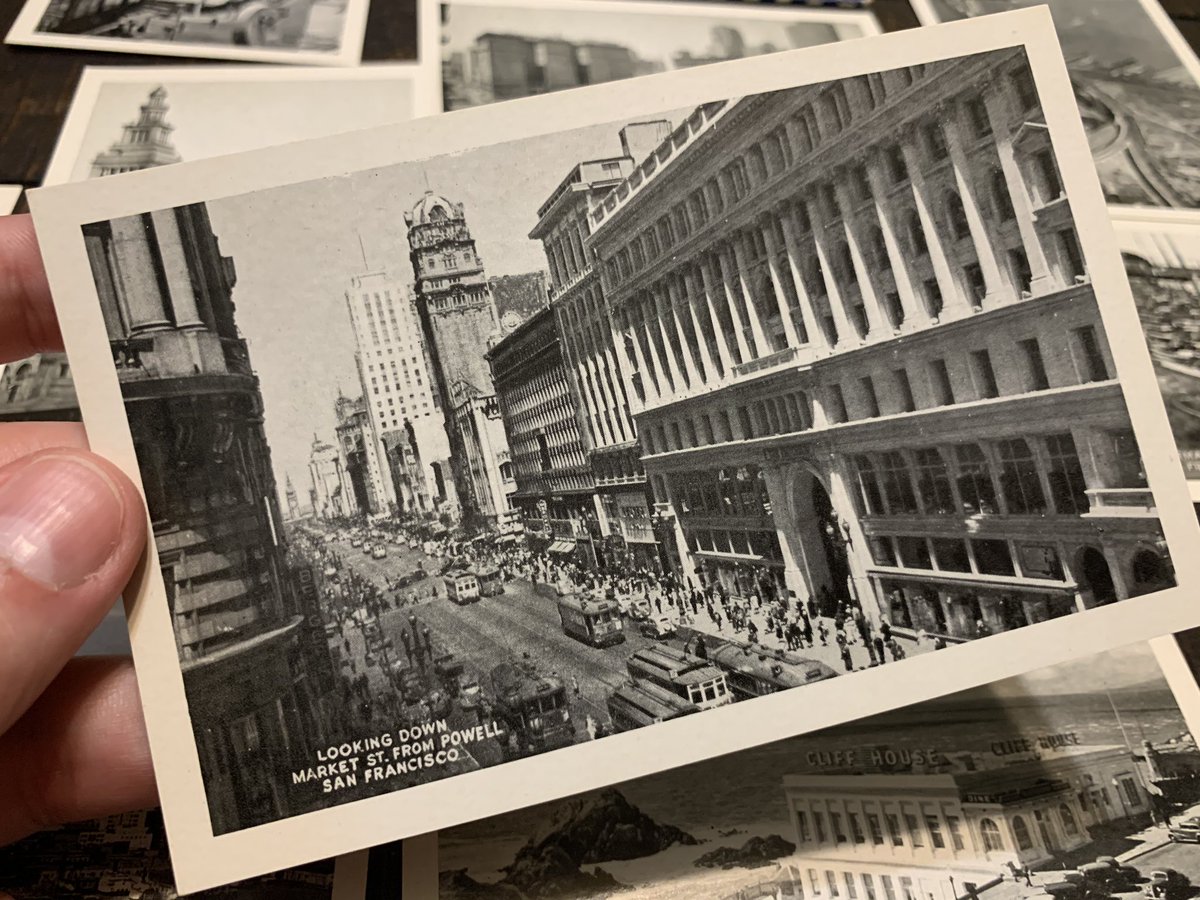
(202, 860)
(9, 195)
(349, 52)
(850, 23)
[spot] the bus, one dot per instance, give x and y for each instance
(686, 676)
(595, 622)
(532, 707)
(461, 587)
(757, 671)
(490, 582)
(638, 703)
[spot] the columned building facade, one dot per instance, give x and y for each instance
(864, 356)
(623, 504)
(144, 144)
(331, 494)
(250, 667)
(458, 320)
(554, 488)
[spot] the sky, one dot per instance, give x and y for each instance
(1124, 667)
(296, 247)
(1110, 30)
(651, 36)
(222, 117)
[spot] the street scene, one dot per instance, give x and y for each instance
(1076, 782)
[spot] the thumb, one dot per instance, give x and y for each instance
(72, 529)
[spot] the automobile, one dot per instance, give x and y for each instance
(379, 552)
(1104, 877)
(640, 609)
(356, 542)
(470, 693)
(366, 549)
(1064, 889)
(414, 544)
(658, 626)
(1185, 831)
(332, 629)
(1128, 874)
(1167, 884)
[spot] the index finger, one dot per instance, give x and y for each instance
(27, 321)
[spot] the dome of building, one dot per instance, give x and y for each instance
(432, 208)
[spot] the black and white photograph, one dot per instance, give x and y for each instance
(1162, 258)
(494, 50)
(459, 481)
(124, 857)
(1138, 86)
(1081, 779)
(314, 32)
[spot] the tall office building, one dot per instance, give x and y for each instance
(144, 144)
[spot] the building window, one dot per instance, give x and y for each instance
(939, 378)
(851, 888)
(916, 235)
(935, 141)
(897, 483)
(956, 214)
(856, 829)
(814, 882)
(819, 827)
(1129, 788)
(832, 883)
(837, 404)
(981, 125)
(956, 837)
(1019, 478)
(934, 824)
(896, 166)
(1068, 488)
(1001, 198)
(932, 294)
(1021, 833)
(990, 831)
(1089, 360)
(869, 886)
(1070, 826)
(802, 826)
(904, 391)
(976, 285)
(876, 829)
(1036, 378)
(862, 184)
(889, 892)
(1071, 254)
(975, 485)
(839, 833)
(1018, 267)
(933, 482)
(1047, 170)
(870, 398)
(984, 375)
(992, 557)
(906, 888)
(893, 825)
(951, 555)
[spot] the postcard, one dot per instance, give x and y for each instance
(1137, 81)
(125, 856)
(1075, 775)
(9, 195)
(494, 50)
(505, 454)
(1161, 250)
(313, 32)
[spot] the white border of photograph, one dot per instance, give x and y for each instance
(94, 78)
(1157, 219)
(25, 32)
(9, 195)
(851, 23)
(1179, 676)
(203, 860)
(927, 15)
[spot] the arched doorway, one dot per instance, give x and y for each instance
(1151, 572)
(1095, 576)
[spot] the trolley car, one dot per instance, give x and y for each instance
(595, 622)
(638, 703)
(686, 676)
(757, 671)
(532, 707)
(461, 586)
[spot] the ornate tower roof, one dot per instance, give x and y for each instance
(432, 208)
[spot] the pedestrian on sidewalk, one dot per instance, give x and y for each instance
(847, 661)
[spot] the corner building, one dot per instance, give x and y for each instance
(252, 663)
(864, 357)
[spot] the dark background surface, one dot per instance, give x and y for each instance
(36, 84)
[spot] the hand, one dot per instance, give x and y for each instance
(72, 529)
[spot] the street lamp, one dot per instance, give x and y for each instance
(839, 530)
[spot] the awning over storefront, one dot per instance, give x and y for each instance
(561, 547)
(506, 539)
(943, 579)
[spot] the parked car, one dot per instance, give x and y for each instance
(356, 542)
(1107, 876)
(659, 626)
(640, 609)
(379, 552)
(1185, 831)
(1168, 884)
(366, 549)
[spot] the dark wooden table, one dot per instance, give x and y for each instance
(36, 85)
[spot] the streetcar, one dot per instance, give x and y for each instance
(461, 586)
(532, 707)
(693, 679)
(490, 582)
(757, 671)
(595, 622)
(638, 703)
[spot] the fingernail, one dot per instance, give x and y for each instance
(60, 519)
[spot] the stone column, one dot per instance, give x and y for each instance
(685, 345)
(662, 384)
(733, 306)
(890, 225)
(816, 335)
(953, 300)
(638, 364)
(675, 367)
(986, 244)
(1002, 111)
(691, 296)
(175, 270)
(136, 275)
(762, 346)
(877, 320)
(718, 329)
(845, 330)
(773, 249)
(789, 531)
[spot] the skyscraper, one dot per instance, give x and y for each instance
(144, 144)
(408, 451)
(458, 319)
